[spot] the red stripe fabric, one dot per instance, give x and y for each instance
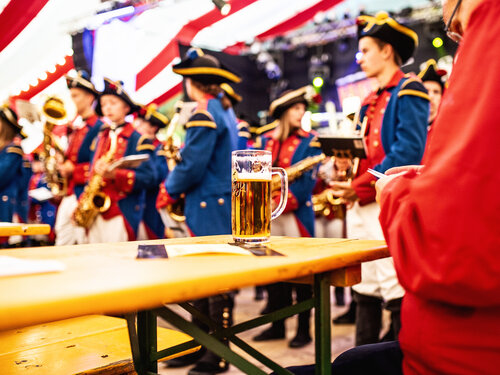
(51, 78)
(185, 36)
(298, 20)
(15, 17)
(177, 89)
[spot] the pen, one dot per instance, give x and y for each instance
(376, 173)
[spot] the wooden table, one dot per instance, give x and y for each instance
(19, 229)
(106, 278)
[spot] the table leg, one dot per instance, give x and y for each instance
(143, 341)
(322, 324)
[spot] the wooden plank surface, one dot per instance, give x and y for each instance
(107, 278)
(75, 345)
(18, 229)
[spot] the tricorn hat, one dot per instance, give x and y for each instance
(231, 94)
(10, 117)
(289, 98)
(403, 39)
(432, 73)
(81, 81)
(204, 68)
(149, 113)
(116, 88)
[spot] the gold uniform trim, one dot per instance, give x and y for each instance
(208, 70)
(244, 134)
(414, 93)
(15, 150)
(315, 144)
(145, 147)
(372, 21)
(230, 92)
(201, 124)
(265, 128)
(429, 63)
(204, 112)
(413, 79)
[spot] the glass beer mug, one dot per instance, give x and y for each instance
(251, 195)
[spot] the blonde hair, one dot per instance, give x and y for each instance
(7, 133)
(214, 90)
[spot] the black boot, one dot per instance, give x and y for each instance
(210, 364)
(275, 332)
(339, 296)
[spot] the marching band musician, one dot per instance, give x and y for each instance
(434, 81)
(204, 176)
(149, 121)
(74, 167)
(125, 187)
(396, 128)
(290, 144)
(243, 126)
(11, 166)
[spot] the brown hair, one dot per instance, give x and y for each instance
(381, 44)
(7, 133)
(214, 90)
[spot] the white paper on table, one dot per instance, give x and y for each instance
(11, 266)
(181, 250)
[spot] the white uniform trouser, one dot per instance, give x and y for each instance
(328, 228)
(177, 229)
(378, 277)
(68, 233)
(285, 225)
(112, 230)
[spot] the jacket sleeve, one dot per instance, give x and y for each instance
(411, 129)
(144, 176)
(10, 165)
(201, 137)
(442, 226)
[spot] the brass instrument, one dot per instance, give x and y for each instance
(93, 200)
(297, 170)
(171, 152)
(55, 114)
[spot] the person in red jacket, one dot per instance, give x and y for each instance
(441, 222)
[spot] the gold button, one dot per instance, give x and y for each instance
(382, 110)
(86, 167)
(372, 109)
(203, 204)
(104, 183)
(375, 144)
(220, 201)
(130, 174)
(295, 141)
(286, 160)
(372, 183)
(308, 204)
(120, 140)
(5, 198)
(290, 148)
(375, 131)
(388, 98)
(130, 182)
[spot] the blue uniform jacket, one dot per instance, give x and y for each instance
(11, 168)
(23, 204)
(45, 211)
(296, 148)
(152, 219)
(404, 127)
(204, 174)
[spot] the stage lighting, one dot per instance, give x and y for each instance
(437, 42)
(223, 6)
(318, 82)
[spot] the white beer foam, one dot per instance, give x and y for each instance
(260, 176)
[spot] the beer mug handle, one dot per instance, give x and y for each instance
(284, 191)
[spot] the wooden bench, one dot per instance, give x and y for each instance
(93, 344)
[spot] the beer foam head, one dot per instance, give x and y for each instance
(255, 176)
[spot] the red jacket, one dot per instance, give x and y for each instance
(443, 226)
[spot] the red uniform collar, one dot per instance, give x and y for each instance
(275, 132)
(91, 120)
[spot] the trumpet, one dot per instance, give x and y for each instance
(55, 114)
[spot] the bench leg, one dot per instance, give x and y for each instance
(143, 341)
(322, 328)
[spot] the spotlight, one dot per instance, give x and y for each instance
(437, 42)
(223, 6)
(318, 82)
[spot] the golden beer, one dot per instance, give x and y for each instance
(251, 209)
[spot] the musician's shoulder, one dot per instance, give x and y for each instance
(201, 118)
(144, 143)
(15, 149)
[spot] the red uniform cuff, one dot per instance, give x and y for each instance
(164, 199)
(364, 185)
(124, 180)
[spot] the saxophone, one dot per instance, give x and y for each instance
(93, 200)
(297, 170)
(54, 113)
(171, 152)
